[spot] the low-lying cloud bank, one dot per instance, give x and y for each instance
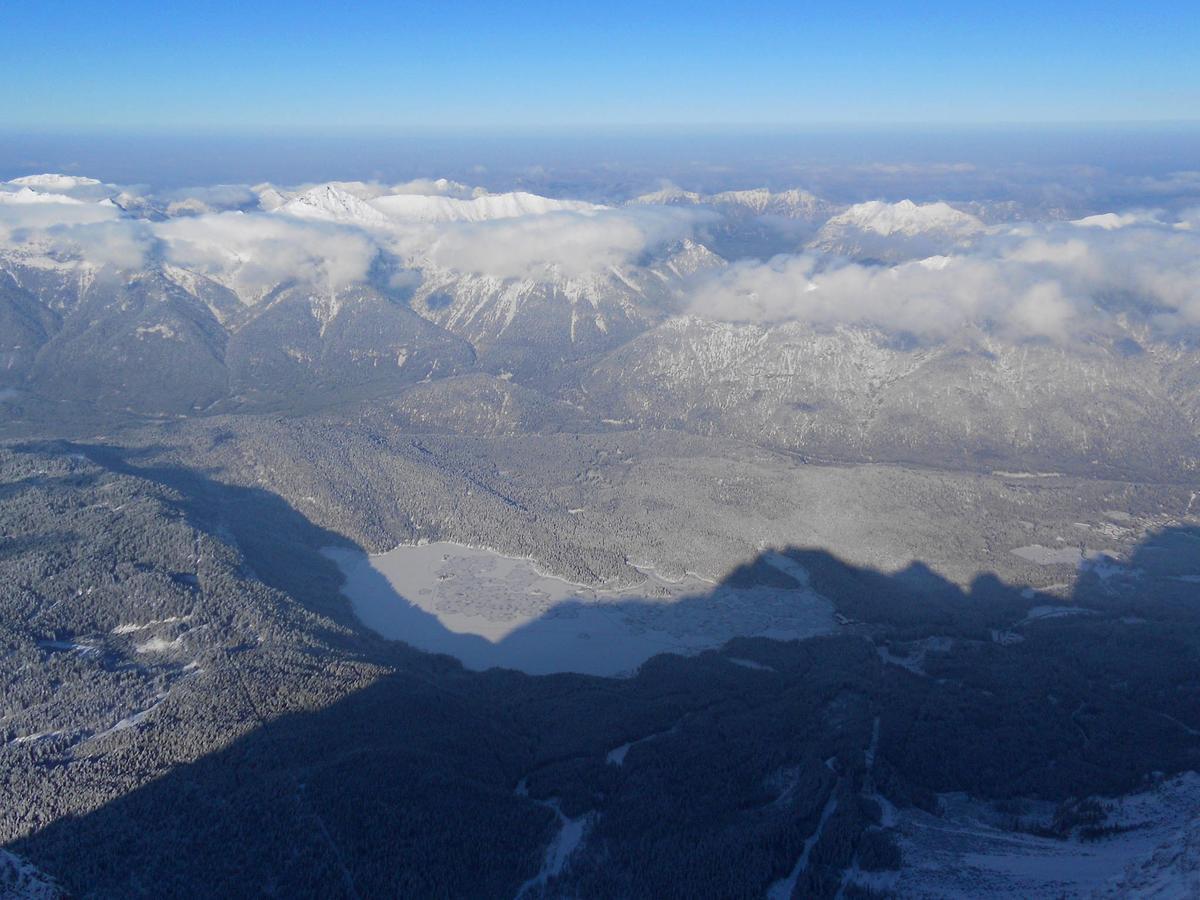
(331, 239)
(255, 252)
(568, 244)
(1056, 281)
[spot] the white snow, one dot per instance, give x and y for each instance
(1053, 612)
(131, 627)
(32, 738)
(616, 756)
(331, 204)
(161, 330)
(964, 852)
(905, 218)
(1057, 556)
(782, 889)
(20, 880)
(419, 208)
(159, 645)
(786, 565)
(791, 204)
(667, 196)
(562, 846)
(749, 664)
(488, 609)
(334, 203)
(1004, 474)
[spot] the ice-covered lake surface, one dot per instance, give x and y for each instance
(488, 609)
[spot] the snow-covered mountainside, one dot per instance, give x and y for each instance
(669, 195)
(21, 881)
(794, 203)
(789, 204)
(1151, 849)
(975, 475)
(331, 203)
(854, 391)
(417, 208)
(890, 232)
(752, 223)
(350, 288)
(906, 218)
(518, 323)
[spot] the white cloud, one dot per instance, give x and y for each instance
(932, 300)
(254, 252)
(560, 243)
(116, 243)
(370, 190)
(28, 195)
(440, 187)
(71, 229)
(1052, 281)
(190, 206)
(1110, 221)
(52, 181)
(424, 222)
(210, 198)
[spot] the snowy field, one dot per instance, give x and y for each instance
(967, 853)
(489, 610)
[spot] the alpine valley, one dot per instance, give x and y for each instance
(422, 539)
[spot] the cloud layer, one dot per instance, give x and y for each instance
(1054, 281)
(560, 243)
(206, 230)
(254, 252)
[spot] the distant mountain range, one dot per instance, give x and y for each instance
(970, 442)
(613, 344)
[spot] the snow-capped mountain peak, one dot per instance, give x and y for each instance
(334, 203)
(667, 196)
(793, 203)
(436, 208)
(51, 181)
(269, 197)
(906, 218)
(330, 203)
(893, 232)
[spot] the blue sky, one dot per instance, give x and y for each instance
(263, 65)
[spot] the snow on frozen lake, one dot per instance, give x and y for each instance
(489, 610)
(1053, 556)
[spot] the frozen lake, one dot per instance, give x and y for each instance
(489, 610)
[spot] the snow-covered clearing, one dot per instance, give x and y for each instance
(562, 846)
(782, 889)
(966, 852)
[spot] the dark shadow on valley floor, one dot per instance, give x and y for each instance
(434, 781)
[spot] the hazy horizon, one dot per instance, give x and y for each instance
(571, 159)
